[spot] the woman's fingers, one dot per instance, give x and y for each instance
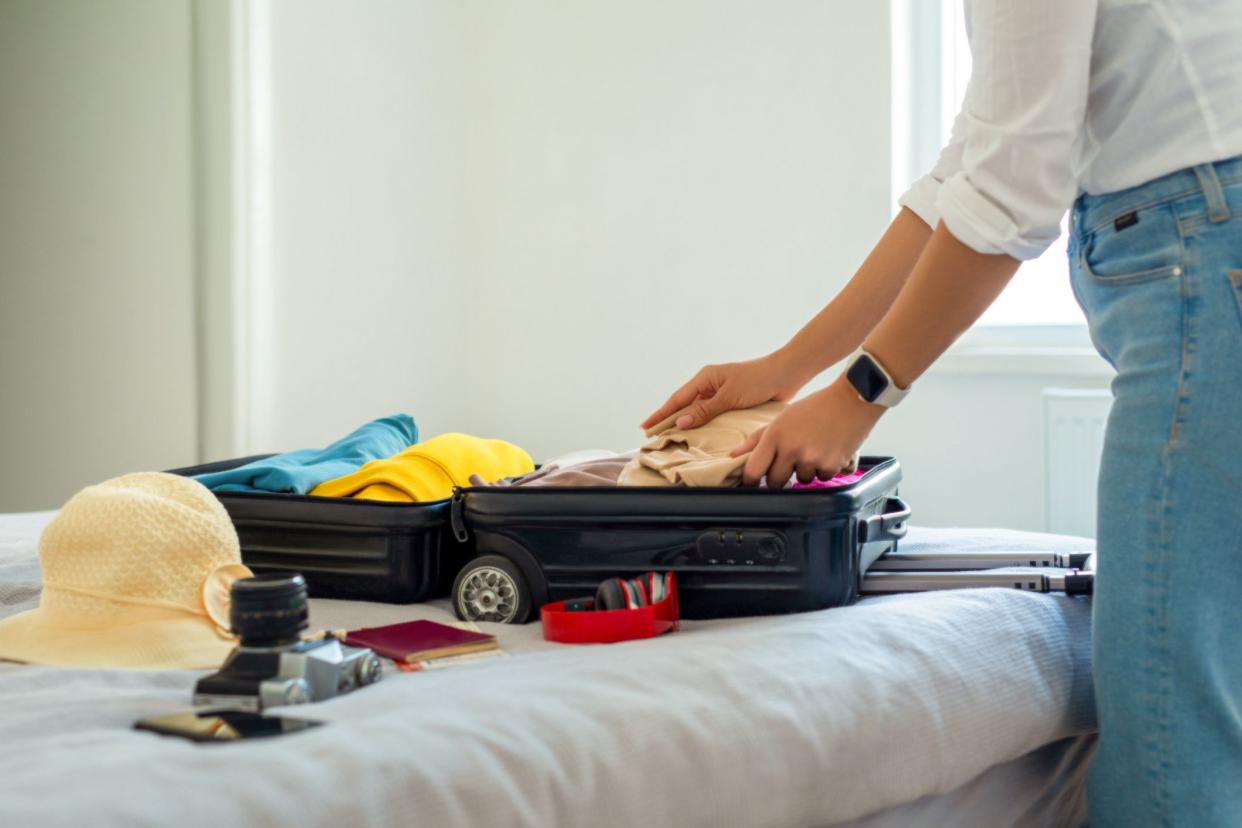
(699, 386)
(760, 459)
(704, 409)
(796, 441)
(807, 472)
(780, 471)
(748, 444)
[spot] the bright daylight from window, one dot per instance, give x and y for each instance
(1040, 294)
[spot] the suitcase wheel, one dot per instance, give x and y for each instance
(491, 588)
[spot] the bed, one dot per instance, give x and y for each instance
(967, 708)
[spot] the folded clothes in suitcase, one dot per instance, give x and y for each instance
(736, 551)
(362, 550)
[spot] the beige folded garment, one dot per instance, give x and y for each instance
(697, 456)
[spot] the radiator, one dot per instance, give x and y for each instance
(1073, 439)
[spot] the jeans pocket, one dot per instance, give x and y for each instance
(1235, 279)
(1140, 246)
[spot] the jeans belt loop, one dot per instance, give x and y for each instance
(1213, 193)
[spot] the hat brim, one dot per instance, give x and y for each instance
(173, 640)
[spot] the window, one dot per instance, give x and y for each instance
(931, 65)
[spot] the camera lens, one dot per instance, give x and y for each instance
(268, 610)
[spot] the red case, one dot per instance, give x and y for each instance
(607, 626)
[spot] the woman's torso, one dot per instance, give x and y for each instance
(1165, 90)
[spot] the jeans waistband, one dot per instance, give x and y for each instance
(1094, 211)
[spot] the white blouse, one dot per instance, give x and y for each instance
(1070, 96)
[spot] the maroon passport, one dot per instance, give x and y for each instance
(420, 640)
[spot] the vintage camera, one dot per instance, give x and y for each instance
(272, 665)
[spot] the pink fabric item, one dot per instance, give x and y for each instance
(836, 482)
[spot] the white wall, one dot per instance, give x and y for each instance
(533, 220)
(369, 203)
(971, 441)
(97, 373)
(675, 183)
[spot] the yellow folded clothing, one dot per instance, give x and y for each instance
(429, 470)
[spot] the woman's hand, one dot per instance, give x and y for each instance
(818, 436)
(720, 388)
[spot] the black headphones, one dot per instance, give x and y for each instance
(624, 593)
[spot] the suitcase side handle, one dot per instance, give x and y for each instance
(889, 525)
(457, 517)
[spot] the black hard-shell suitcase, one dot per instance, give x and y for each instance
(361, 550)
(735, 551)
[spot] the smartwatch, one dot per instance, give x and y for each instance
(872, 382)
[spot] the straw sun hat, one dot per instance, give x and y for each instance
(136, 573)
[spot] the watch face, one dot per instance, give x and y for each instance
(868, 380)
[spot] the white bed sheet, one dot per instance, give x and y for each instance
(932, 701)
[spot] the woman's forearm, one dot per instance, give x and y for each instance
(846, 321)
(950, 286)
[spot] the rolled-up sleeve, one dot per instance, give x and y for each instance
(922, 195)
(1006, 178)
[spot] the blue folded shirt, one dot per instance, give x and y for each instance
(297, 472)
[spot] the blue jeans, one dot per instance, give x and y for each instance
(1158, 271)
